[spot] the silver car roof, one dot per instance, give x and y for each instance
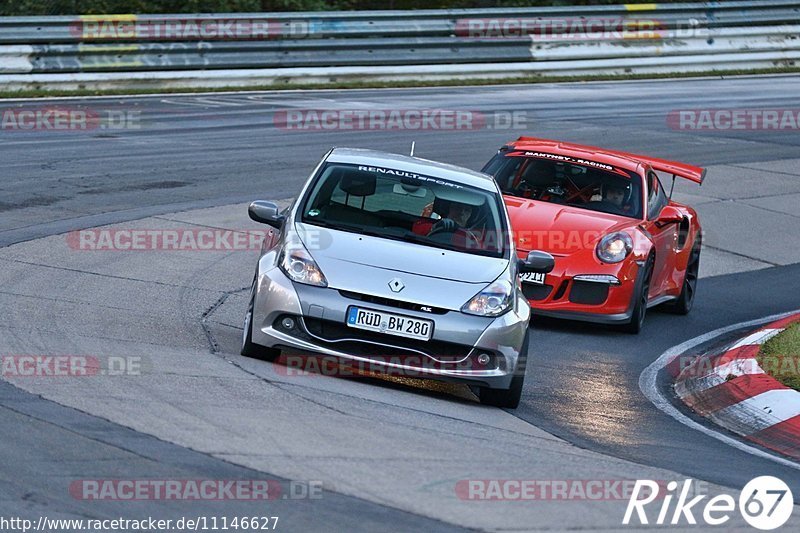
(425, 167)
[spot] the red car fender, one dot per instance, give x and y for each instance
(629, 270)
(642, 244)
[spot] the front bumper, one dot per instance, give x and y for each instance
(319, 315)
(604, 302)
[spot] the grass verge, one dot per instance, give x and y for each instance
(39, 93)
(780, 356)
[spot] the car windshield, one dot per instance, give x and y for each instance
(563, 180)
(401, 205)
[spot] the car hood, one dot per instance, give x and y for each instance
(559, 229)
(366, 264)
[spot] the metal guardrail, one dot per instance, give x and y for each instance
(429, 43)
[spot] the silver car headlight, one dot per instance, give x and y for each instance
(299, 266)
(614, 247)
(494, 300)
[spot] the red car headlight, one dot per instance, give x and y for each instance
(614, 247)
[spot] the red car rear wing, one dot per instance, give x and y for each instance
(682, 170)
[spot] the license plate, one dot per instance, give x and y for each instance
(391, 324)
(534, 278)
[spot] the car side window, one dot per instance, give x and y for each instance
(656, 197)
(504, 169)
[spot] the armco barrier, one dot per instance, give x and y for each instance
(105, 51)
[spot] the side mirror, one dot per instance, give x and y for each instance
(266, 213)
(669, 215)
(539, 262)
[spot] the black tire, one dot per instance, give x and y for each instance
(249, 348)
(685, 301)
(510, 397)
(636, 322)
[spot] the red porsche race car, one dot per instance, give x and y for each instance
(621, 244)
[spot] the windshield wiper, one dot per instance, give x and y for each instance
(413, 237)
(361, 230)
(407, 237)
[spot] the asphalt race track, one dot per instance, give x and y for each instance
(387, 452)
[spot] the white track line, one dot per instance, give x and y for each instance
(759, 337)
(647, 384)
(759, 412)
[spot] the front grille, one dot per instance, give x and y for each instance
(393, 303)
(536, 292)
(334, 331)
(588, 293)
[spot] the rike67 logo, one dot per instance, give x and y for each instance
(765, 503)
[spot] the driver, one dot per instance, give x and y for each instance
(455, 224)
(615, 194)
(458, 215)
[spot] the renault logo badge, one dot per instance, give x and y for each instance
(396, 285)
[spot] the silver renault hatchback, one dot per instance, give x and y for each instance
(399, 262)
